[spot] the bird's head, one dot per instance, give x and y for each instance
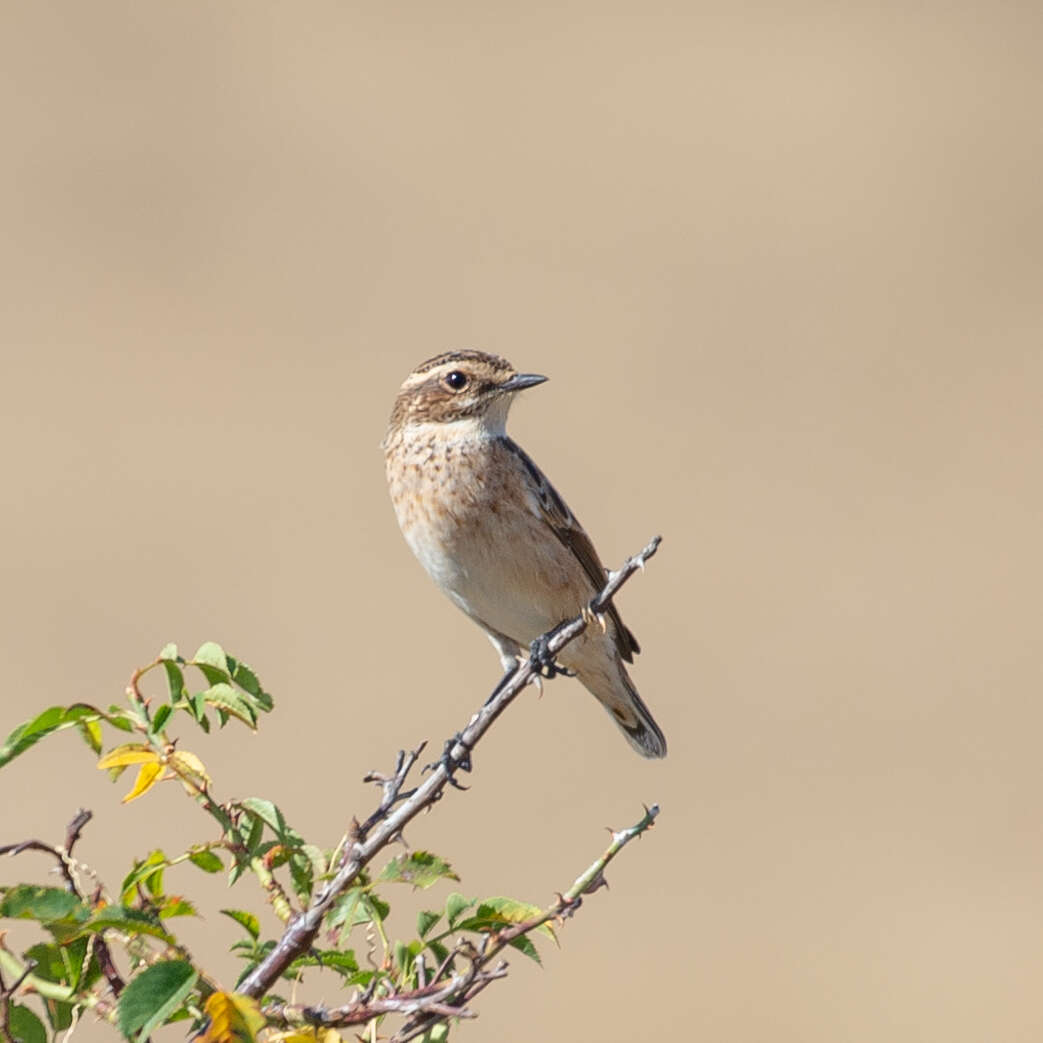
(465, 388)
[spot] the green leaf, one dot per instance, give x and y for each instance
(456, 904)
(29, 734)
(223, 697)
(342, 962)
(425, 920)
(272, 817)
(48, 905)
(523, 943)
(160, 718)
(245, 920)
(149, 872)
(436, 1033)
(66, 963)
(130, 921)
(25, 1026)
(90, 731)
(301, 873)
(244, 677)
(419, 868)
(211, 659)
(169, 652)
(153, 996)
(206, 860)
(175, 678)
(355, 907)
(175, 905)
(496, 912)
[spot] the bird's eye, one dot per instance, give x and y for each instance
(456, 380)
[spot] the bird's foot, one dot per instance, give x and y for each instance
(451, 762)
(591, 616)
(543, 662)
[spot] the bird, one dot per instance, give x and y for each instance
(495, 535)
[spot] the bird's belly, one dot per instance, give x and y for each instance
(503, 583)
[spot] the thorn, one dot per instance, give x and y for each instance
(601, 622)
(537, 680)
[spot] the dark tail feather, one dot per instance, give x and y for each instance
(634, 719)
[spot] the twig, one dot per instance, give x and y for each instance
(392, 787)
(63, 856)
(389, 823)
(586, 883)
(6, 995)
(435, 1001)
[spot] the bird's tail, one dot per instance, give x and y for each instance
(627, 709)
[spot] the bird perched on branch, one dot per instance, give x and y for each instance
(494, 534)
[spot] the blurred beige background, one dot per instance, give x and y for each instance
(783, 265)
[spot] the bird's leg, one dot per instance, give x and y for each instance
(451, 763)
(542, 660)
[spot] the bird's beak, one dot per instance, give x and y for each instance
(521, 381)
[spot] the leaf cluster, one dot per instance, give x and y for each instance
(73, 972)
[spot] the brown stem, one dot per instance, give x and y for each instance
(389, 823)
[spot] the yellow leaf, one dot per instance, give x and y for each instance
(131, 753)
(148, 776)
(233, 1018)
(189, 764)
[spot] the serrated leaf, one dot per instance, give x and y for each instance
(225, 699)
(456, 904)
(130, 921)
(210, 653)
(151, 997)
(495, 912)
(175, 905)
(206, 860)
(355, 907)
(244, 676)
(523, 943)
(340, 961)
(271, 816)
(233, 1018)
(425, 920)
(128, 753)
(25, 1026)
(421, 869)
(48, 905)
(148, 776)
(246, 920)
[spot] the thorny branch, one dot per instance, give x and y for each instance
(388, 821)
(66, 866)
(441, 999)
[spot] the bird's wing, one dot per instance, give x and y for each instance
(562, 522)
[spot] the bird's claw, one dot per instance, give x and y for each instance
(543, 662)
(453, 764)
(591, 615)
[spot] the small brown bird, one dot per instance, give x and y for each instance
(494, 535)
